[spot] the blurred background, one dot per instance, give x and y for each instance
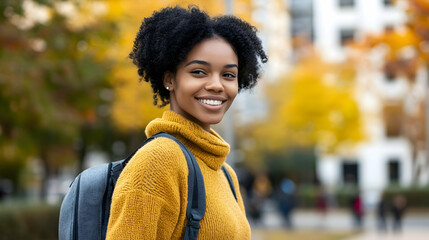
(333, 143)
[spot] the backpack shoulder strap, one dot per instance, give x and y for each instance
(231, 184)
(196, 206)
(126, 160)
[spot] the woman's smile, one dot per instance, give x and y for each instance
(212, 103)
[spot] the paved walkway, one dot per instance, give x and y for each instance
(415, 224)
(407, 234)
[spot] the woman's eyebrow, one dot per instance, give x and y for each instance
(198, 62)
(231, 66)
(208, 64)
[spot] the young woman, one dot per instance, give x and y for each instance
(197, 64)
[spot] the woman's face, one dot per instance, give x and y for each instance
(206, 83)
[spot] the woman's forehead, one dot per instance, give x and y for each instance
(212, 50)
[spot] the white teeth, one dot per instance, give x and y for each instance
(211, 102)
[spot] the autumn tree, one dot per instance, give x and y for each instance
(406, 55)
(65, 78)
(418, 25)
(54, 86)
(312, 107)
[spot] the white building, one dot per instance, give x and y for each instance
(337, 21)
(383, 158)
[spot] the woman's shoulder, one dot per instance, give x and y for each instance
(160, 160)
(157, 169)
(160, 152)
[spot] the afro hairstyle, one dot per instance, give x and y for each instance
(165, 39)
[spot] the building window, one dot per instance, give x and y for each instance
(388, 3)
(346, 36)
(394, 171)
(301, 13)
(346, 3)
(350, 173)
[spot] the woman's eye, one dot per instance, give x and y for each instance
(198, 72)
(229, 75)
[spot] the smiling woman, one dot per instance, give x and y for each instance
(197, 64)
(206, 83)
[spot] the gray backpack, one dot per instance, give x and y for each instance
(85, 210)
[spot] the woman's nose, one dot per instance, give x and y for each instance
(214, 83)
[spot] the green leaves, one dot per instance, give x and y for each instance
(51, 79)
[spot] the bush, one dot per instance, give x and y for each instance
(28, 221)
(345, 194)
(417, 197)
(306, 196)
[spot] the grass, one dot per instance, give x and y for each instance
(280, 234)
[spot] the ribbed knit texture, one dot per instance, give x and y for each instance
(150, 198)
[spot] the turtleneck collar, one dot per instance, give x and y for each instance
(207, 146)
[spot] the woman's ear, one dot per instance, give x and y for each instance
(168, 80)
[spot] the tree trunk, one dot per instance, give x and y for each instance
(427, 116)
(135, 139)
(417, 167)
(45, 175)
(83, 147)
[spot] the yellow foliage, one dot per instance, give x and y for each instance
(81, 14)
(313, 106)
(243, 9)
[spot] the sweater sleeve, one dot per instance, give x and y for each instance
(150, 194)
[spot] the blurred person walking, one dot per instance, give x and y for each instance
(381, 213)
(357, 210)
(286, 201)
(321, 205)
(398, 208)
(259, 193)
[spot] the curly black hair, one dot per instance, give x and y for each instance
(165, 39)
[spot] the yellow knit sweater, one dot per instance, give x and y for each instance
(150, 198)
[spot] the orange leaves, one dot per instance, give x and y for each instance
(414, 34)
(404, 46)
(419, 6)
(398, 41)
